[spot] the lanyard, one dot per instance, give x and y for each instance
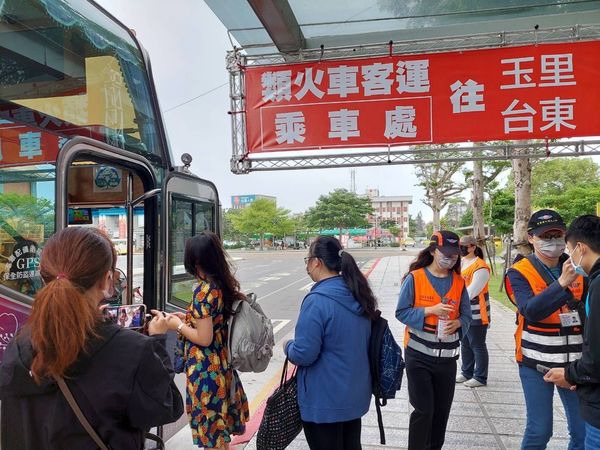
(547, 269)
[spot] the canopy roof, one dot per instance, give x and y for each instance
(287, 26)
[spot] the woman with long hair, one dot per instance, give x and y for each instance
(122, 380)
(474, 353)
(434, 306)
(330, 348)
(214, 414)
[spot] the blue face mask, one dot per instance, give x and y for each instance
(577, 267)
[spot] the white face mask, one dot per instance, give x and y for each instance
(447, 262)
(550, 248)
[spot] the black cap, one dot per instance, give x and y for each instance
(446, 242)
(545, 220)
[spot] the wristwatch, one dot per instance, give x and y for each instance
(181, 325)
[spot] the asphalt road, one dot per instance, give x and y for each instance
(279, 279)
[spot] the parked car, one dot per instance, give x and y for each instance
(120, 246)
(409, 242)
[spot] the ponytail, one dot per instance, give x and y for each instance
(62, 322)
(478, 252)
(329, 250)
(64, 317)
(358, 285)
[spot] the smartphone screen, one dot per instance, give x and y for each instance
(128, 316)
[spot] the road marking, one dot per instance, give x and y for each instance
(307, 287)
(283, 288)
(282, 323)
(269, 278)
(282, 274)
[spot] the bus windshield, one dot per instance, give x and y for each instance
(70, 70)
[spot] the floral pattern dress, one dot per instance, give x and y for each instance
(214, 412)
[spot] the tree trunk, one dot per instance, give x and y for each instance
(522, 173)
(477, 194)
(436, 215)
(340, 234)
(262, 241)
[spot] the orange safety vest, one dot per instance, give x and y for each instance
(545, 342)
(480, 305)
(426, 340)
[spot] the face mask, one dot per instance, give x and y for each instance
(447, 262)
(551, 248)
(464, 250)
(577, 267)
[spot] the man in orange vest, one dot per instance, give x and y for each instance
(547, 293)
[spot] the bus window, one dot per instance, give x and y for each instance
(77, 73)
(26, 222)
(188, 218)
(98, 196)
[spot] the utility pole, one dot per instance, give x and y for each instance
(353, 180)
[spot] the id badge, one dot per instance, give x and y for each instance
(570, 319)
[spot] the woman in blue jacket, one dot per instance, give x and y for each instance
(331, 346)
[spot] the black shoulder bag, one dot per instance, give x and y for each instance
(160, 445)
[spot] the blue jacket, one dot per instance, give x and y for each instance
(331, 351)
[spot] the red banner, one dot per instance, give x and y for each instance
(545, 91)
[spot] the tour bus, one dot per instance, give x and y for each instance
(82, 143)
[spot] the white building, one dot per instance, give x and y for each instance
(386, 208)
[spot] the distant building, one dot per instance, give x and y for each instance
(241, 201)
(394, 208)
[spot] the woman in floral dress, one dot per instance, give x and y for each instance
(215, 410)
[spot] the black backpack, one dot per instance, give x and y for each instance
(386, 364)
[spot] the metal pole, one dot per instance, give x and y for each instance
(129, 299)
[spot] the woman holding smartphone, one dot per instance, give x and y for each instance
(121, 379)
(435, 307)
(215, 415)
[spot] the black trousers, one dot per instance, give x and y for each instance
(431, 383)
(333, 436)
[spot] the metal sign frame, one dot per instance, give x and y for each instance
(243, 162)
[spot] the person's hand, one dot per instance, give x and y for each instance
(181, 315)
(440, 309)
(174, 320)
(568, 274)
(452, 326)
(557, 376)
(158, 324)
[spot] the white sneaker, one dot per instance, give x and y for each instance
(461, 378)
(473, 383)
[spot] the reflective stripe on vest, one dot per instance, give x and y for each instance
(480, 305)
(426, 341)
(546, 342)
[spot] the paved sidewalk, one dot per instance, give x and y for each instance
(491, 417)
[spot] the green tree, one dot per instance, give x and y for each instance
(230, 233)
(573, 202)
(420, 227)
(340, 209)
(260, 217)
(412, 225)
(387, 224)
(501, 210)
(437, 178)
(27, 209)
(555, 176)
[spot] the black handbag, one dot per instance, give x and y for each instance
(281, 422)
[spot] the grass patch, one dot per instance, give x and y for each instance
(494, 287)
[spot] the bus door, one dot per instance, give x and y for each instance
(190, 205)
(100, 186)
